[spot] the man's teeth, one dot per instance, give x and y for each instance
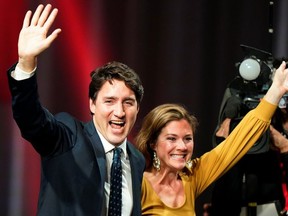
(117, 122)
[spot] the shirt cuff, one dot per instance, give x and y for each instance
(19, 74)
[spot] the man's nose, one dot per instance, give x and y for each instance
(119, 110)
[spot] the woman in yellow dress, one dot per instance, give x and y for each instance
(172, 181)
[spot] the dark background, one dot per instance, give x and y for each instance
(184, 51)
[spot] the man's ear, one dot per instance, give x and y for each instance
(92, 106)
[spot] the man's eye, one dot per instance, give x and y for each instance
(129, 103)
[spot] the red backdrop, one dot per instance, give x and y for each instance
(77, 51)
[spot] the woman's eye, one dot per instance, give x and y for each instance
(171, 138)
(188, 139)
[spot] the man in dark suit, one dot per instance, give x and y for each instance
(76, 157)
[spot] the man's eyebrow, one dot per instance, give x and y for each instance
(130, 98)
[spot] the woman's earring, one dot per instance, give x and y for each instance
(156, 161)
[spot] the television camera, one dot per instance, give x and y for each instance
(246, 90)
(255, 77)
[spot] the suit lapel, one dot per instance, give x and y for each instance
(136, 175)
(98, 149)
(135, 163)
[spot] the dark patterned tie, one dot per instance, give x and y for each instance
(115, 198)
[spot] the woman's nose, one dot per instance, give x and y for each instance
(182, 144)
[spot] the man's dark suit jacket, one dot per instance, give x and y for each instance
(72, 156)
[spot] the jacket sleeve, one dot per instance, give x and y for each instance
(37, 124)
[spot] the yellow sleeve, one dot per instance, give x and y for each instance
(219, 160)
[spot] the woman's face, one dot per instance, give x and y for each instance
(174, 146)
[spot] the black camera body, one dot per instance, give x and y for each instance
(235, 105)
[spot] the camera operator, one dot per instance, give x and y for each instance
(279, 140)
(255, 179)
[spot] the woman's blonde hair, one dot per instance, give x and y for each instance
(153, 123)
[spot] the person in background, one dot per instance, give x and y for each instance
(278, 136)
(76, 157)
(255, 179)
(173, 179)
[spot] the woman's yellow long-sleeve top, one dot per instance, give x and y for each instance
(213, 164)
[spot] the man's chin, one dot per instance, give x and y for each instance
(117, 140)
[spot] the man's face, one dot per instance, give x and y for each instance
(115, 110)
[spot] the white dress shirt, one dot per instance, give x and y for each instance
(127, 200)
(19, 74)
